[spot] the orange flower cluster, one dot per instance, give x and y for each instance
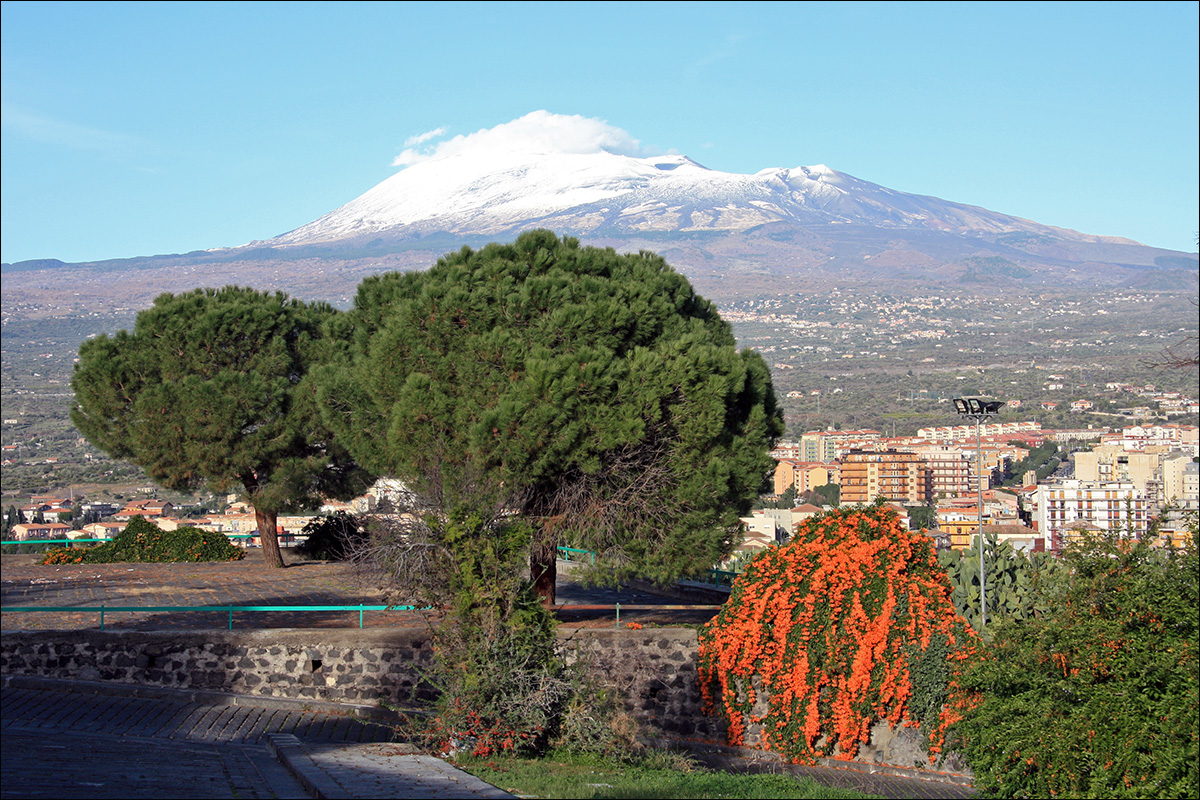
(483, 738)
(827, 626)
(63, 555)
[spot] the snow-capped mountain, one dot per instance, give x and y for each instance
(587, 179)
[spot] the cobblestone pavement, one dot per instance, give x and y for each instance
(62, 743)
(237, 583)
(26, 584)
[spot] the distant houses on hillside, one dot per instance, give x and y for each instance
(1121, 481)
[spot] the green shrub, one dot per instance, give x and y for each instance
(1014, 578)
(143, 541)
(501, 686)
(1098, 697)
(333, 537)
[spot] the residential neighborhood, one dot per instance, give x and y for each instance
(1124, 481)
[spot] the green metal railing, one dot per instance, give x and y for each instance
(575, 554)
(67, 542)
(712, 577)
(104, 609)
(107, 609)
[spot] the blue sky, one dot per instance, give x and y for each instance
(136, 129)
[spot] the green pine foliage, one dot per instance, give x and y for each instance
(597, 392)
(1097, 697)
(143, 541)
(210, 388)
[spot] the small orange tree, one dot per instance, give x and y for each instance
(849, 623)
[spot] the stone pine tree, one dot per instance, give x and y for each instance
(594, 393)
(210, 389)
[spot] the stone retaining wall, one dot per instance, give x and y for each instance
(349, 666)
(654, 669)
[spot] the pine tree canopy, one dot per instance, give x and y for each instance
(209, 389)
(596, 391)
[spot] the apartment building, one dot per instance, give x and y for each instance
(1169, 437)
(826, 446)
(960, 525)
(950, 469)
(25, 531)
(966, 433)
(891, 474)
(1067, 508)
(803, 475)
(1107, 462)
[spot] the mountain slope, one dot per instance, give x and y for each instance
(776, 231)
(603, 193)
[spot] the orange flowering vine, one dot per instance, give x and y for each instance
(824, 633)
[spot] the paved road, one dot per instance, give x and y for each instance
(77, 740)
(61, 741)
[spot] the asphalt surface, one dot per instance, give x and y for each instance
(75, 739)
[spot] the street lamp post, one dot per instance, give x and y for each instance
(979, 409)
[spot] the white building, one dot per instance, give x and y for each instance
(1065, 509)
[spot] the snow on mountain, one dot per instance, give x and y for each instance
(582, 176)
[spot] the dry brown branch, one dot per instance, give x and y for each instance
(1184, 354)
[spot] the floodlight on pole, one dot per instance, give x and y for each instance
(979, 409)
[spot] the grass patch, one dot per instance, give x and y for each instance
(655, 774)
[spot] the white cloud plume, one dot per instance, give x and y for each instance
(422, 138)
(537, 132)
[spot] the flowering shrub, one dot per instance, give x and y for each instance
(1098, 698)
(830, 631)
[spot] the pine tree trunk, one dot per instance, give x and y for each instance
(267, 521)
(543, 571)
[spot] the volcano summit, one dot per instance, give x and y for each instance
(575, 175)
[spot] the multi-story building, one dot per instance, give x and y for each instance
(1064, 509)
(950, 469)
(40, 530)
(784, 449)
(966, 433)
(828, 445)
(803, 475)
(103, 530)
(1170, 437)
(1190, 500)
(959, 524)
(891, 474)
(1108, 463)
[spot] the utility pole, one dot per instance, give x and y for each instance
(979, 409)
